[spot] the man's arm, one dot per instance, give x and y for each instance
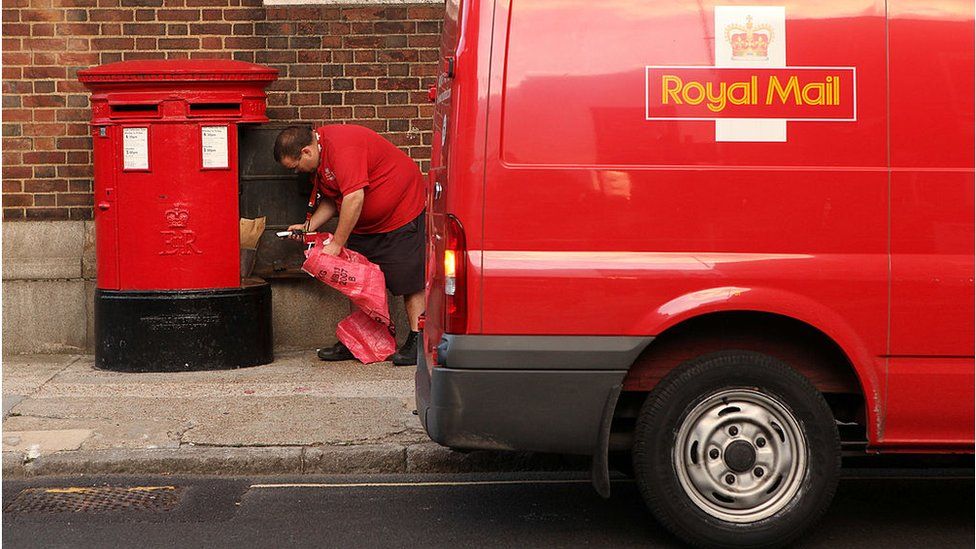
(324, 212)
(352, 206)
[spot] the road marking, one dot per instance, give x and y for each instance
(423, 484)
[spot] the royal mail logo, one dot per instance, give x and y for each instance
(795, 93)
(750, 92)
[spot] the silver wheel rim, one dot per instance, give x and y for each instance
(732, 429)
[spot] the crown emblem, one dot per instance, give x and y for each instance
(177, 218)
(748, 41)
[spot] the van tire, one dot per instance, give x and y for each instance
(736, 449)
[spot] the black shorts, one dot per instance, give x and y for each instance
(399, 253)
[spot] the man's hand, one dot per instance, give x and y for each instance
(296, 227)
(332, 248)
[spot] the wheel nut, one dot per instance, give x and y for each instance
(730, 479)
(713, 453)
(759, 472)
(760, 442)
(733, 430)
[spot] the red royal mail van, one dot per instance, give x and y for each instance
(732, 240)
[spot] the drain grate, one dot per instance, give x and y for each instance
(105, 499)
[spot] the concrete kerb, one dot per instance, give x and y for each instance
(284, 460)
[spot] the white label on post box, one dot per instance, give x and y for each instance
(135, 148)
(213, 142)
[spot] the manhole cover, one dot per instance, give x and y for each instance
(103, 499)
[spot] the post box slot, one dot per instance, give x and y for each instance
(137, 110)
(214, 109)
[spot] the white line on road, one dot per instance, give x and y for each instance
(405, 484)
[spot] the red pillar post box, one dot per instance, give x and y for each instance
(169, 294)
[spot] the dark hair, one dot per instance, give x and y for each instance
(291, 141)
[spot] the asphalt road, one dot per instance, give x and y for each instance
(523, 510)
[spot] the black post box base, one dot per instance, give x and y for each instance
(183, 330)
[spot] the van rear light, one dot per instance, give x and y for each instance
(455, 306)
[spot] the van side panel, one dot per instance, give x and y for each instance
(600, 221)
(930, 396)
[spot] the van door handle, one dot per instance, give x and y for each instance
(437, 190)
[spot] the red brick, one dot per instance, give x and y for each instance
(118, 16)
(80, 214)
(375, 125)
(315, 85)
(365, 83)
(398, 56)
(341, 112)
(211, 28)
(143, 44)
(69, 143)
(80, 186)
(44, 86)
(362, 14)
(364, 112)
(364, 70)
(78, 58)
(339, 29)
(47, 214)
(276, 57)
(76, 15)
(304, 99)
(245, 43)
(314, 113)
(363, 41)
(113, 43)
(344, 56)
(145, 15)
(74, 3)
(10, 14)
(12, 44)
(44, 143)
(45, 157)
(365, 98)
(142, 3)
(178, 15)
(44, 115)
(45, 129)
(16, 29)
(76, 28)
(48, 15)
(74, 171)
(79, 44)
(16, 143)
(403, 111)
(315, 57)
(424, 41)
(426, 12)
(79, 199)
(12, 130)
(212, 43)
(394, 27)
(111, 29)
(212, 15)
(364, 56)
(243, 14)
(73, 115)
(157, 29)
(278, 43)
(17, 200)
(16, 58)
(45, 44)
(46, 185)
(45, 200)
(283, 113)
(17, 172)
(398, 83)
(243, 29)
(13, 214)
(79, 157)
(17, 115)
(312, 70)
(177, 30)
(76, 129)
(179, 43)
(43, 101)
(71, 86)
(12, 186)
(44, 172)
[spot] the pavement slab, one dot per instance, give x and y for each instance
(296, 415)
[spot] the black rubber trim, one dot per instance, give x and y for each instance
(492, 352)
(559, 411)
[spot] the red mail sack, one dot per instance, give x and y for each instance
(368, 332)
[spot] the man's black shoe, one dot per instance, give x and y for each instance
(336, 352)
(406, 355)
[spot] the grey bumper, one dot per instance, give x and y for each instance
(514, 396)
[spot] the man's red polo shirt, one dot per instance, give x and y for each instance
(353, 158)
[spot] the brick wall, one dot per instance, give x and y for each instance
(365, 64)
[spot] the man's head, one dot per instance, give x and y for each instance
(296, 150)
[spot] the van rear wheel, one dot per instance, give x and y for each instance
(736, 449)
